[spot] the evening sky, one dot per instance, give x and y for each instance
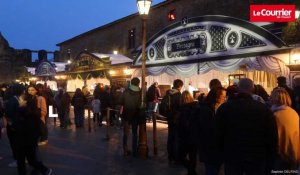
(41, 24)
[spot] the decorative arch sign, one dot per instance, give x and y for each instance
(45, 68)
(207, 37)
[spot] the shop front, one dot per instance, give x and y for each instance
(90, 69)
(45, 74)
(199, 49)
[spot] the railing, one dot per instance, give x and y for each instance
(108, 111)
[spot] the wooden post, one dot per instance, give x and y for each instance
(89, 119)
(154, 133)
(55, 109)
(107, 122)
(54, 121)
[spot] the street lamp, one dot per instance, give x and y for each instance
(143, 7)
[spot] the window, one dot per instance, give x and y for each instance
(172, 15)
(131, 39)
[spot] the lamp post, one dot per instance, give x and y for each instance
(143, 7)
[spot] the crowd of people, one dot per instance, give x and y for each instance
(25, 111)
(241, 127)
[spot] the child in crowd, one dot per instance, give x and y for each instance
(96, 106)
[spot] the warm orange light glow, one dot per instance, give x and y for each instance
(112, 72)
(127, 71)
(60, 77)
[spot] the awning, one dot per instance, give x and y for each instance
(262, 63)
(114, 58)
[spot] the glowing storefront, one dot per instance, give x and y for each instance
(199, 49)
(89, 69)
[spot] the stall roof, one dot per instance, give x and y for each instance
(114, 58)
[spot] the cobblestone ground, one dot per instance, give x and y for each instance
(74, 151)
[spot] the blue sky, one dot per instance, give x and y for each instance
(41, 24)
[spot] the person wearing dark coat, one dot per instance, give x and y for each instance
(12, 115)
(103, 95)
(153, 94)
(172, 117)
(131, 102)
(28, 134)
(79, 101)
(208, 152)
(187, 133)
(246, 133)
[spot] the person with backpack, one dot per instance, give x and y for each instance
(131, 102)
(170, 109)
(79, 101)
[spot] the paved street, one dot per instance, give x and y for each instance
(80, 152)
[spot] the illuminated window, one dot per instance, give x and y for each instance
(131, 38)
(172, 15)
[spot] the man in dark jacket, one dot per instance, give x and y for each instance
(131, 102)
(13, 113)
(246, 133)
(172, 117)
(153, 94)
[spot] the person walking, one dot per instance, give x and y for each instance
(131, 102)
(28, 134)
(246, 133)
(12, 115)
(206, 115)
(79, 101)
(287, 121)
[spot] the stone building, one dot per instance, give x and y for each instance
(6, 57)
(257, 50)
(13, 62)
(125, 35)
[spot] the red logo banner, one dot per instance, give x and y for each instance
(272, 13)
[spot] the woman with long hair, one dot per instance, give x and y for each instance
(186, 133)
(41, 104)
(287, 121)
(208, 151)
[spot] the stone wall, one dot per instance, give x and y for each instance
(114, 36)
